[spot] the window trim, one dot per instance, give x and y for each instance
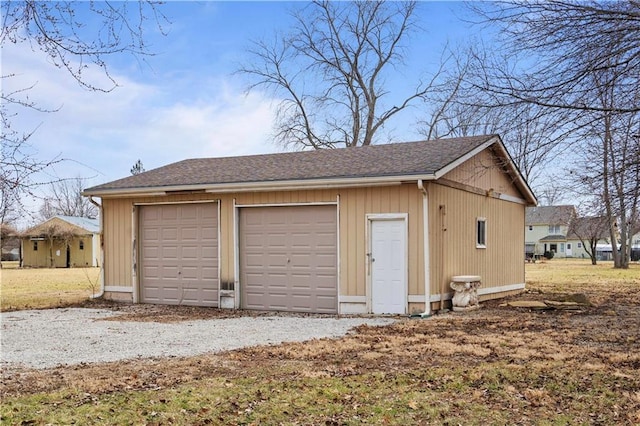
(81, 245)
(481, 232)
(35, 245)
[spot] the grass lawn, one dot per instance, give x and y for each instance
(45, 288)
(494, 366)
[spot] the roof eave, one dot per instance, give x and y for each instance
(281, 185)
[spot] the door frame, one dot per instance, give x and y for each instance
(370, 218)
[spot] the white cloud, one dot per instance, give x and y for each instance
(157, 121)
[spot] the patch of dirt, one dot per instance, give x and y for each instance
(175, 313)
(599, 338)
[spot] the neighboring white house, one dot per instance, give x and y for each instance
(557, 229)
(546, 229)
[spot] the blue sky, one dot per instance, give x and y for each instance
(185, 101)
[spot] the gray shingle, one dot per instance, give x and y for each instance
(398, 159)
(550, 215)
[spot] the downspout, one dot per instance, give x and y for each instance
(101, 214)
(425, 241)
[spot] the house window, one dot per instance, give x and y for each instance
(554, 229)
(35, 246)
(561, 247)
(553, 248)
(481, 232)
(579, 245)
(81, 244)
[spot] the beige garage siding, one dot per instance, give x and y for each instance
(179, 254)
(354, 205)
(288, 258)
(501, 263)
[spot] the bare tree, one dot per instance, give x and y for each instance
(560, 44)
(54, 232)
(581, 59)
(532, 134)
(55, 28)
(330, 72)
(551, 195)
(9, 237)
(590, 230)
(71, 44)
(19, 162)
(615, 143)
(137, 168)
(66, 199)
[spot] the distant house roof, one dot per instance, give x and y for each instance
(556, 237)
(410, 160)
(89, 226)
(550, 215)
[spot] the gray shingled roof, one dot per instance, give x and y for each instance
(398, 159)
(550, 215)
(589, 227)
(556, 237)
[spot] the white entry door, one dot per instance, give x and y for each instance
(569, 251)
(388, 266)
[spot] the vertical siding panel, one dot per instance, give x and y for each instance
(360, 231)
(225, 245)
(376, 201)
(501, 262)
(393, 195)
(408, 204)
(351, 242)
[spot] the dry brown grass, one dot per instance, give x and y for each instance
(45, 288)
(600, 282)
(496, 365)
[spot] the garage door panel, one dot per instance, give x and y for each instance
(288, 258)
(169, 234)
(179, 254)
(168, 212)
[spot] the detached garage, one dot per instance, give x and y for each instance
(376, 229)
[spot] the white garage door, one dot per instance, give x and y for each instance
(179, 254)
(288, 258)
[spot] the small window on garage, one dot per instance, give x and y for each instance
(481, 232)
(35, 246)
(81, 244)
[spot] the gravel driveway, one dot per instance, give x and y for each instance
(53, 337)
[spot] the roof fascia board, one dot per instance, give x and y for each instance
(263, 186)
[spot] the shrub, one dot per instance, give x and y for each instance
(548, 255)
